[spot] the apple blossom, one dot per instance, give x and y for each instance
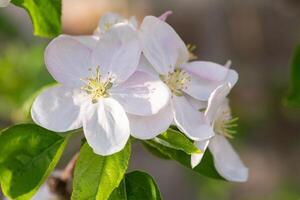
(97, 88)
(166, 56)
(4, 3)
(226, 160)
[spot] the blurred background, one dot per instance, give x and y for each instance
(257, 35)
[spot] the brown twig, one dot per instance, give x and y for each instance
(59, 184)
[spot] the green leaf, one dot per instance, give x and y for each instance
(293, 98)
(45, 15)
(28, 155)
(206, 167)
(96, 176)
(176, 140)
(136, 185)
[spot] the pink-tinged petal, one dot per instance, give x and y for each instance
(216, 99)
(201, 89)
(68, 60)
(226, 160)
(189, 120)
(148, 127)
(141, 94)
(106, 126)
(165, 15)
(88, 40)
(58, 109)
(197, 157)
(163, 48)
(117, 53)
(145, 66)
(197, 104)
(206, 70)
(232, 77)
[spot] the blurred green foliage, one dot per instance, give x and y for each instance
(22, 74)
(293, 99)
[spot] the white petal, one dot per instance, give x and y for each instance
(68, 60)
(197, 104)
(189, 120)
(206, 70)
(106, 126)
(88, 40)
(148, 127)
(197, 157)
(57, 109)
(142, 94)
(145, 66)
(215, 100)
(4, 3)
(133, 22)
(232, 77)
(161, 45)
(117, 52)
(201, 88)
(226, 160)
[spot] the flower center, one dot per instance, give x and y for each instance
(176, 81)
(225, 125)
(95, 87)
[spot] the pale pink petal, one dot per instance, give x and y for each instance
(197, 157)
(226, 160)
(148, 127)
(68, 60)
(215, 100)
(163, 48)
(142, 94)
(165, 15)
(88, 40)
(206, 70)
(201, 89)
(106, 126)
(145, 66)
(117, 53)
(189, 120)
(58, 109)
(197, 104)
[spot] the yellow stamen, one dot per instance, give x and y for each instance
(225, 124)
(95, 87)
(176, 81)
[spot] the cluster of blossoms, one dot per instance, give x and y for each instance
(138, 79)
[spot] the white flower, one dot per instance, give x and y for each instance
(98, 87)
(167, 56)
(4, 3)
(226, 160)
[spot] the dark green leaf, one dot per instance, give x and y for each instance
(176, 140)
(136, 186)
(206, 167)
(45, 15)
(96, 176)
(293, 99)
(28, 155)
